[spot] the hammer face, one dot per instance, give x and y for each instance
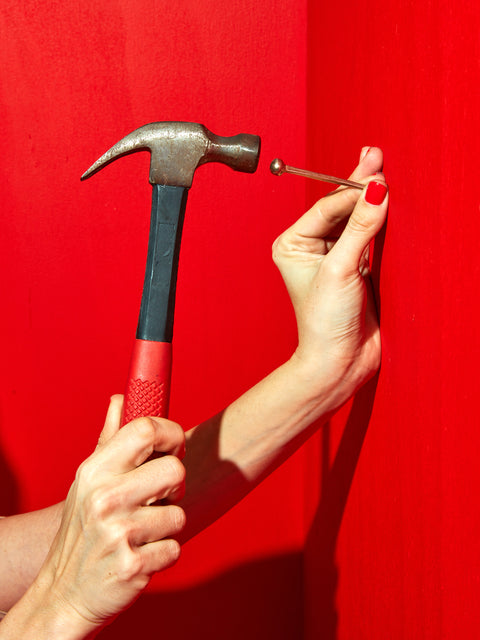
(178, 148)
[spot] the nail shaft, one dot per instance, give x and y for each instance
(278, 167)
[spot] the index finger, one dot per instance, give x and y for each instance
(113, 419)
(331, 210)
(138, 440)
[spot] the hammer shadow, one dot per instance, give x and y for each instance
(321, 572)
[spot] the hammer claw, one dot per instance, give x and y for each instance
(177, 149)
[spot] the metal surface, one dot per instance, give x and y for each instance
(278, 167)
(178, 148)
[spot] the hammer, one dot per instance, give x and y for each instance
(177, 149)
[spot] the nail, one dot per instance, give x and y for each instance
(364, 152)
(375, 193)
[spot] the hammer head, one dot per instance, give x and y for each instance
(178, 148)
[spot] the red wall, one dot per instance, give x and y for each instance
(75, 78)
(372, 530)
(393, 548)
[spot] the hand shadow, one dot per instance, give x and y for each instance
(258, 600)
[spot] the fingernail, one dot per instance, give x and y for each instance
(375, 193)
(364, 152)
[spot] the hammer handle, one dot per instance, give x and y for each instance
(148, 382)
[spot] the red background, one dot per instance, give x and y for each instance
(371, 531)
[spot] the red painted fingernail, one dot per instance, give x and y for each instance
(375, 193)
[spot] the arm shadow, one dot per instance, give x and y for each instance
(321, 572)
(9, 499)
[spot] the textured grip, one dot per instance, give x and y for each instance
(148, 383)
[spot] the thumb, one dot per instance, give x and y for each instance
(112, 420)
(364, 223)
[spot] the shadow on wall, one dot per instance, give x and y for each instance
(8, 488)
(321, 573)
(260, 601)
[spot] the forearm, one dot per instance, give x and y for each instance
(323, 260)
(24, 543)
(233, 452)
(227, 456)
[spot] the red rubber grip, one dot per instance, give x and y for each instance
(148, 382)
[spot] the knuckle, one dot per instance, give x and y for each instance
(319, 210)
(145, 431)
(102, 502)
(171, 551)
(85, 473)
(175, 433)
(180, 433)
(173, 469)
(275, 244)
(360, 221)
(167, 553)
(278, 247)
(155, 433)
(329, 216)
(117, 534)
(130, 566)
(178, 518)
(333, 269)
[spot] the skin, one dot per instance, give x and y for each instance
(110, 531)
(112, 537)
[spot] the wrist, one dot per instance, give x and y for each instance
(43, 615)
(326, 385)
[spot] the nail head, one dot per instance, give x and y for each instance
(277, 167)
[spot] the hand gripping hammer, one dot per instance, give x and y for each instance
(177, 149)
